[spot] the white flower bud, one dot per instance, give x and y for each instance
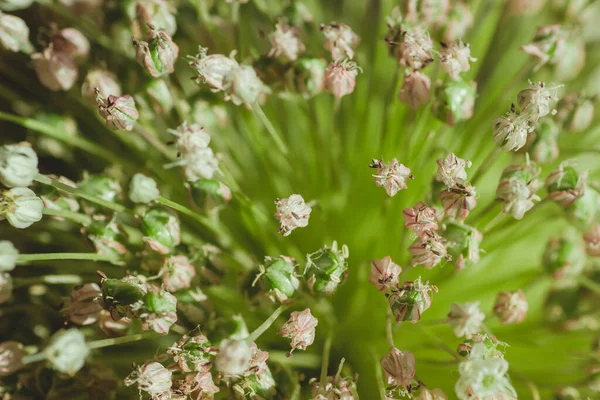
(66, 352)
(451, 170)
(399, 367)
(285, 42)
(143, 189)
(18, 165)
(340, 78)
(55, 70)
(152, 378)
(292, 213)
(11, 357)
(484, 379)
(340, 40)
(534, 102)
(465, 319)
(300, 328)
(212, 69)
(456, 59)
(415, 90)
(21, 207)
(6, 287)
(510, 131)
(511, 308)
(243, 86)
(14, 33)
(106, 82)
(391, 176)
(8, 256)
(200, 164)
(72, 43)
(234, 357)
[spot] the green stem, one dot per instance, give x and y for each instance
(300, 360)
(202, 220)
(590, 284)
(97, 344)
(379, 376)
(389, 334)
(267, 123)
(70, 215)
(265, 325)
(27, 258)
(489, 160)
(49, 279)
(325, 364)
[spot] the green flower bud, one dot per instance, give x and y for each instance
(564, 258)
(256, 386)
(100, 186)
(575, 112)
(107, 237)
(326, 269)
(210, 193)
(280, 277)
(410, 301)
(454, 101)
(161, 230)
(143, 189)
(572, 58)
(565, 185)
(158, 54)
(159, 311)
(310, 76)
(488, 350)
(160, 302)
(462, 243)
(561, 304)
(8, 256)
(584, 211)
(66, 352)
(121, 292)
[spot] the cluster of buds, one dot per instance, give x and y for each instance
(197, 159)
(411, 300)
(517, 188)
(392, 176)
(340, 75)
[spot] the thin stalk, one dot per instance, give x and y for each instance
(97, 344)
(204, 221)
(154, 141)
(27, 258)
(379, 376)
(300, 360)
(265, 325)
(325, 363)
(267, 123)
(590, 284)
(489, 160)
(389, 333)
(70, 215)
(50, 280)
(490, 225)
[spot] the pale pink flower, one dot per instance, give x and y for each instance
(465, 319)
(55, 70)
(178, 273)
(384, 273)
(399, 367)
(84, 306)
(511, 308)
(72, 43)
(212, 69)
(415, 90)
(456, 58)
(415, 49)
(292, 213)
(152, 378)
(420, 219)
(300, 328)
(517, 196)
(391, 176)
(592, 241)
(340, 40)
(428, 250)
(285, 42)
(120, 112)
(458, 201)
(451, 170)
(258, 362)
(340, 78)
(198, 386)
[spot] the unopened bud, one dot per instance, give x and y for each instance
(106, 83)
(18, 165)
(8, 256)
(465, 319)
(21, 207)
(384, 274)
(211, 193)
(399, 367)
(11, 357)
(411, 300)
(71, 42)
(280, 277)
(462, 243)
(544, 147)
(300, 328)
(563, 258)
(517, 188)
(565, 185)
(576, 112)
(340, 40)
(234, 357)
(178, 273)
(14, 33)
(161, 230)
(243, 86)
(101, 186)
(547, 44)
(119, 112)
(340, 78)
(66, 352)
(158, 55)
(454, 101)
(84, 307)
(456, 59)
(511, 308)
(415, 90)
(55, 70)
(584, 211)
(285, 42)
(326, 269)
(143, 189)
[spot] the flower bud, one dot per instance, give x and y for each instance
(300, 328)
(119, 112)
(72, 43)
(576, 112)
(6, 287)
(434, 394)
(326, 269)
(480, 346)
(415, 48)
(592, 241)
(511, 130)
(456, 59)
(462, 243)
(384, 274)
(459, 20)
(563, 258)
(211, 193)
(178, 273)
(399, 367)
(511, 308)
(107, 238)
(66, 352)
(143, 189)
(340, 78)
(11, 357)
(410, 301)
(103, 187)
(573, 57)
(190, 138)
(415, 89)
(84, 307)
(285, 42)
(158, 55)
(21, 207)
(547, 45)
(234, 357)
(534, 102)
(243, 86)
(292, 213)
(544, 147)
(152, 378)
(193, 353)
(340, 40)
(55, 70)
(159, 13)
(280, 277)
(118, 294)
(517, 188)
(391, 176)
(160, 311)
(8, 256)
(420, 219)
(458, 201)
(310, 76)
(212, 69)
(565, 185)
(451, 170)
(454, 101)
(18, 165)
(465, 319)
(428, 250)
(105, 81)
(14, 33)
(584, 211)
(161, 230)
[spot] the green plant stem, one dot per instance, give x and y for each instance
(27, 258)
(70, 215)
(50, 280)
(265, 325)
(267, 123)
(301, 360)
(379, 376)
(485, 165)
(389, 333)
(325, 363)
(590, 284)
(97, 344)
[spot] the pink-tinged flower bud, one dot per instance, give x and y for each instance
(234, 357)
(430, 12)
(159, 13)
(55, 70)
(414, 49)
(592, 241)
(428, 250)
(465, 319)
(119, 112)
(399, 367)
(21, 207)
(11, 357)
(575, 112)
(564, 258)
(107, 237)
(565, 185)
(420, 219)
(197, 386)
(178, 273)
(481, 346)
(451, 170)
(517, 188)
(433, 394)
(72, 43)
(547, 45)
(152, 378)
(300, 328)
(212, 69)
(534, 101)
(454, 101)
(340, 40)
(106, 82)
(511, 130)
(415, 90)
(456, 59)
(161, 230)
(85, 307)
(340, 78)
(292, 213)
(459, 20)
(458, 201)
(110, 327)
(285, 42)
(410, 301)
(243, 86)
(158, 54)
(14, 33)
(258, 362)
(462, 243)
(159, 311)
(391, 176)
(384, 274)
(511, 308)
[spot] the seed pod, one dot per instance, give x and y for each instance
(584, 211)
(399, 367)
(66, 352)
(8, 256)
(458, 201)
(454, 101)
(119, 112)
(280, 277)
(575, 112)
(21, 207)
(410, 301)
(511, 130)
(326, 269)
(511, 308)
(210, 193)
(565, 185)
(161, 230)
(544, 147)
(462, 243)
(55, 70)
(118, 294)
(158, 54)
(14, 33)
(547, 45)
(18, 165)
(563, 258)
(193, 353)
(255, 385)
(415, 90)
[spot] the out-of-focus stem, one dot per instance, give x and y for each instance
(379, 376)
(97, 344)
(70, 215)
(49, 279)
(300, 360)
(325, 363)
(27, 258)
(265, 325)
(389, 334)
(590, 284)
(485, 165)
(267, 123)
